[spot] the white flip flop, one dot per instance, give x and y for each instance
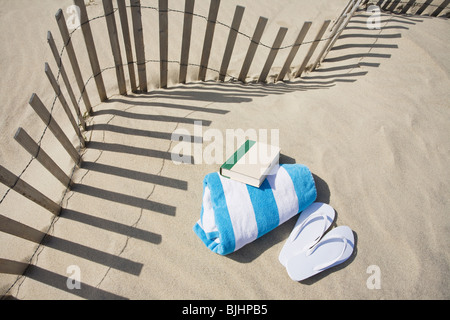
(312, 224)
(334, 248)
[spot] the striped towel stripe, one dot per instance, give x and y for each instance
(235, 214)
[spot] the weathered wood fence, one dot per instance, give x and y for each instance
(430, 7)
(325, 39)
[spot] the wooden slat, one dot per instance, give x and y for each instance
(36, 151)
(237, 19)
(386, 5)
(349, 4)
(115, 46)
(423, 7)
(186, 40)
(322, 53)
(393, 5)
(23, 188)
(440, 8)
(407, 6)
(209, 34)
(139, 43)
(59, 63)
(337, 29)
(127, 41)
(65, 105)
(313, 47)
(298, 42)
(252, 48)
(92, 52)
(272, 54)
(73, 59)
(336, 35)
(46, 117)
(12, 267)
(163, 42)
(20, 230)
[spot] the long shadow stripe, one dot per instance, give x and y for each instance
(60, 282)
(136, 175)
(125, 199)
(112, 226)
(94, 255)
(121, 148)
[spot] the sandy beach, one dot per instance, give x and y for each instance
(372, 124)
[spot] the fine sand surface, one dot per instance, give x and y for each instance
(372, 124)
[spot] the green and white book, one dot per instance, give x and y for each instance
(251, 163)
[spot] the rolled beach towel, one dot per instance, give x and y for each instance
(235, 214)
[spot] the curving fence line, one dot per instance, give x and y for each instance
(137, 75)
(430, 7)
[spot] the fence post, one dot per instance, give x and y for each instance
(252, 48)
(64, 104)
(126, 39)
(273, 54)
(163, 42)
(336, 36)
(349, 5)
(115, 46)
(23, 188)
(393, 5)
(440, 8)
(407, 6)
(37, 152)
(73, 59)
(298, 42)
(186, 40)
(92, 52)
(330, 39)
(237, 19)
(209, 34)
(47, 118)
(313, 47)
(62, 70)
(136, 16)
(423, 7)
(386, 4)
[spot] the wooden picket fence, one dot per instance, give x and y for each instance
(138, 82)
(414, 7)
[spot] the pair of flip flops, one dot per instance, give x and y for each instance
(309, 249)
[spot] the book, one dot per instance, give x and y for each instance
(251, 163)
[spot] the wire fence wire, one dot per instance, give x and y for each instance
(232, 78)
(415, 4)
(80, 148)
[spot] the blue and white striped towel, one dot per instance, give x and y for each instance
(235, 214)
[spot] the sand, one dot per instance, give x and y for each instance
(372, 124)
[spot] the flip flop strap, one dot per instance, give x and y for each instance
(329, 264)
(308, 220)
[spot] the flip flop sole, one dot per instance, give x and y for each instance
(334, 248)
(311, 225)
